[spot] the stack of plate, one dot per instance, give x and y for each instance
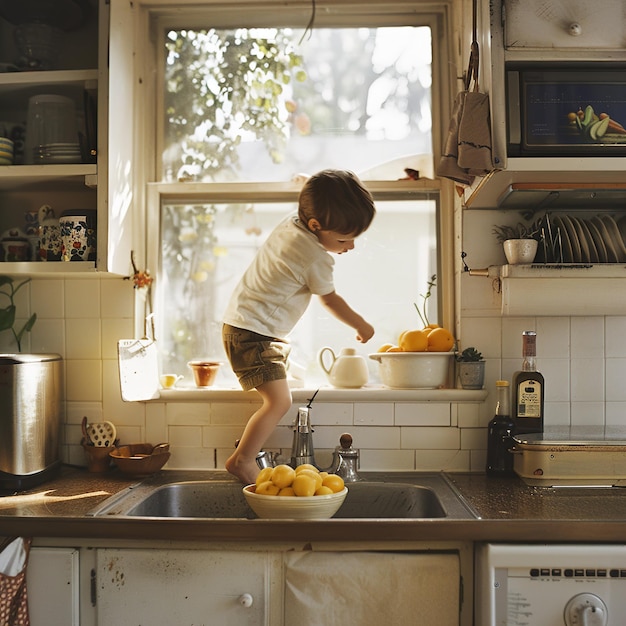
(57, 153)
(591, 240)
(6, 151)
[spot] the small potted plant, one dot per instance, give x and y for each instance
(471, 368)
(519, 241)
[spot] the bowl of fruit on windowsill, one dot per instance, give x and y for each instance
(421, 359)
(283, 492)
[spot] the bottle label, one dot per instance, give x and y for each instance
(529, 399)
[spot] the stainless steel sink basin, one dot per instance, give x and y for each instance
(412, 496)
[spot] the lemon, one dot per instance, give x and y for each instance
(306, 466)
(304, 485)
(287, 491)
(267, 488)
(385, 347)
(440, 340)
(414, 341)
(333, 482)
(315, 476)
(263, 475)
(283, 476)
(324, 491)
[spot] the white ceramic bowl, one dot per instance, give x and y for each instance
(294, 507)
(413, 370)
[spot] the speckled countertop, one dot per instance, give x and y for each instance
(506, 509)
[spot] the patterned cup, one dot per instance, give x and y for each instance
(78, 237)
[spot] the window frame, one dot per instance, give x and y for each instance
(155, 15)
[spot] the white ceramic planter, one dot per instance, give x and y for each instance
(520, 251)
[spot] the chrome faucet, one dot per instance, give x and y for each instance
(346, 460)
(302, 447)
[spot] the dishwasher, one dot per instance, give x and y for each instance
(550, 585)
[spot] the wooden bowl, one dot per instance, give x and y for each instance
(140, 459)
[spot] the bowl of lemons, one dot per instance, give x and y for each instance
(283, 492)
(421, 359)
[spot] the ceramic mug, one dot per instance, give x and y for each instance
(78, 237)
(49, 235)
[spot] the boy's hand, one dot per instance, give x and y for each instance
(365, 332)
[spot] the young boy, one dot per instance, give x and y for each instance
(333, 209)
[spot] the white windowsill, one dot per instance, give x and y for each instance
(369, 393)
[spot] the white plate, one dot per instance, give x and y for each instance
(585, 254)
(616, 237)
(606, 237)
(598, 241)
(573, 237)
(594, 256)
(566, 246)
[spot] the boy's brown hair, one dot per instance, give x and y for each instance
(338, 201)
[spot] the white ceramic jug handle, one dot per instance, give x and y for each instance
(320, 357)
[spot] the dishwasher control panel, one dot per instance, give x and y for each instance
(550, 584)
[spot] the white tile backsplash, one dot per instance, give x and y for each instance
(582, 358)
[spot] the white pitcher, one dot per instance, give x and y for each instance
(348, 370)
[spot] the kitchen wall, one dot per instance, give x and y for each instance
(582, 358)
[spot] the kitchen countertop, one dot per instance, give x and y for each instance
(507, 510)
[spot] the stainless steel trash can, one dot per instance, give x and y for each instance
(30, 418)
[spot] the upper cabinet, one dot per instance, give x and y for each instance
(55, 110)
(556, 77)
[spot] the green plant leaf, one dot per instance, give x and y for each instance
(7, 317)
(26, 329)
(5, 280)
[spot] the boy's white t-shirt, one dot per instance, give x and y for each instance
(276, 289)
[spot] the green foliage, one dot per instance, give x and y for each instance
(7, 314)
(425, 296)
(517, 231)
(469, 355)
(220, 88)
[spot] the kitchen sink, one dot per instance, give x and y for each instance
(179, 494)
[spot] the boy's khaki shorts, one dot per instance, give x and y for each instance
(255, 359)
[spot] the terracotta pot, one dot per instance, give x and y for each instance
(204, 372)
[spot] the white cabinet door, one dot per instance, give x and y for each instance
(117, 161)
(372, 588)
(184, 587)
(53, 587)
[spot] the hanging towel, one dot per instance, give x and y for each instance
(13, 597)
(467, 150)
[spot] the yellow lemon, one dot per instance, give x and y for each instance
(263, 475)
(287, 491)
(267, 488)
(440, 340)
(414, 341)
(315, 476)
(395, 349)
(324, 491)
(385, 347)
(283, 475)
(304, 485)
(306, 466)
(334, 483)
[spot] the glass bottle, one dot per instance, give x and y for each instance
(528, 389)
(500, 434)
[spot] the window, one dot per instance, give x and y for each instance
(247, 109)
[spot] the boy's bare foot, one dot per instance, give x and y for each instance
(245, 471)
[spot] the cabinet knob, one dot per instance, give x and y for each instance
(246, 599)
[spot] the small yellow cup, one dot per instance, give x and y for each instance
(169, 380)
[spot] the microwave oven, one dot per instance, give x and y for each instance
(566, 109)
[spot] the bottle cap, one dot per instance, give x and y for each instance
(502, 383)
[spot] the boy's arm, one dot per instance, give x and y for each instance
(342, 311)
